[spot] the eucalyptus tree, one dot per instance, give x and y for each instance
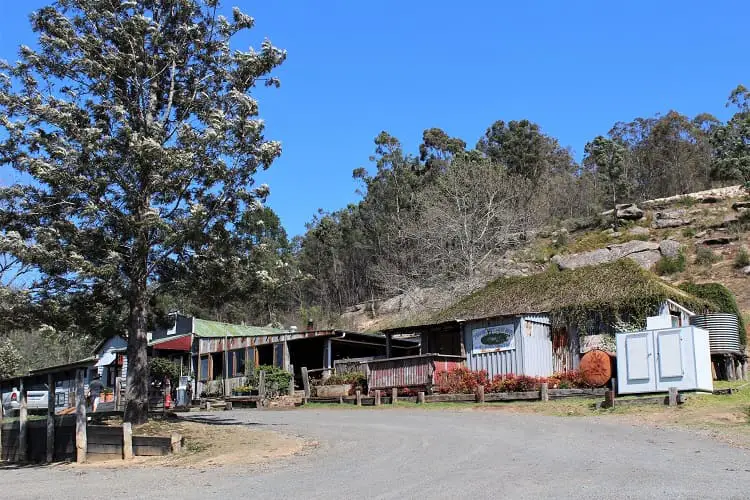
(608, 157)
(732, 140)
(133, 126)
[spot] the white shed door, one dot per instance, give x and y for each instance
(638, 356)
(669, 346)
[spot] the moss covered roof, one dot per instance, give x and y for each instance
(618, 286)
(206, 328)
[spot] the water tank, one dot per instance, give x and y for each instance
(723, 331)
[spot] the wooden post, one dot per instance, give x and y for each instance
(673, 396)
(359, 397)
(127, 440)
(609, 398)
(388, 345)
(394, 396)
(227, 405)
(420, 397)
(306, 383)
(261, 385)
(81, 441)
(50, 417)
(479, 394)
(23, 418)
(291, 380)
(176, 442)
(544, 392)
(2, 415)
(377, 397)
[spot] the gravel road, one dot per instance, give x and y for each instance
(395, 453)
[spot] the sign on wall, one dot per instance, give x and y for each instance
(493, 338)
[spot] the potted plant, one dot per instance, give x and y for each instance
(241, 390)
(108, 395)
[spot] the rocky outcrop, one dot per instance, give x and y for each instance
(708, 196)
(741, 206)
(639, 231)
(626, 211)
(670, 248)
(645, 253)
(576, 260)
(671, 218)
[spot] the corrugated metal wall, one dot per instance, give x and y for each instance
(499, 362)
(532, 354)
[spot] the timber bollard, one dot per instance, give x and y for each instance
(50, 418)
(227, 405)
(23, 419)
(544, 392)
(673, 396)
(394, 396)
(305, 383)
(479, 394)
(127, 440)
(420, 398)
(609, 399)
(359, 397)
(377, 397)
(81, 439)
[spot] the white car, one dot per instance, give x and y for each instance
(36, 398)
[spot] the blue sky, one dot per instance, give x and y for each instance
(356, 68)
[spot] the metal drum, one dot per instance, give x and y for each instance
(723, 331)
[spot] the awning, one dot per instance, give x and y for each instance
(182, 343)
(106, 359)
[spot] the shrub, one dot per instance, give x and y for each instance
(689, 232)
(671, 265)
(357, 379)
(162, 368)
(705, 256)
(276, 381)
(742, 258)
(461, 380)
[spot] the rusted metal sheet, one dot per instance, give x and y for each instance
(216, 344)
(408, 371)
(565, 350)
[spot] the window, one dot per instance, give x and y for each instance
(238, 362)
(203, 368)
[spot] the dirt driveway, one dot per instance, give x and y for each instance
(411, 453)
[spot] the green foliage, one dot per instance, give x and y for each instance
(590, 241)
(10, 359)
(671, 265)
(357, 379)
(162, 368)
(706, 257)
(742, 258)
(722, 300)
(276, 380)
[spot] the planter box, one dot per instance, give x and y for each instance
(333, 391)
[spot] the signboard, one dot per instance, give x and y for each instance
(493, 338)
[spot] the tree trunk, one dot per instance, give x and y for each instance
(136, 395)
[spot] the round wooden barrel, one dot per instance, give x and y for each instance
(596, 368)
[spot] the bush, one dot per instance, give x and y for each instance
(670, 265)
(689, 232)
(276, 382)
(461, 380)
(162, 368)
(705, 256)
(357, 379)
(742, 258)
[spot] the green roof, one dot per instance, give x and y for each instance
(604, 290)
(206, 328)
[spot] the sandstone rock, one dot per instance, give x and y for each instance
(670, 248)
(741, 205)
(671, 218)
(626, 211)
(635, 246)
(710, 199)
(577, 260)
(746, 269)
(646, 259)
(639, 231)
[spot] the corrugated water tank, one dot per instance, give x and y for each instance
(723, 331)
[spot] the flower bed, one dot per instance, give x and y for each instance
(461, 380)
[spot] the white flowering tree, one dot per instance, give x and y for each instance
(136, 138)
